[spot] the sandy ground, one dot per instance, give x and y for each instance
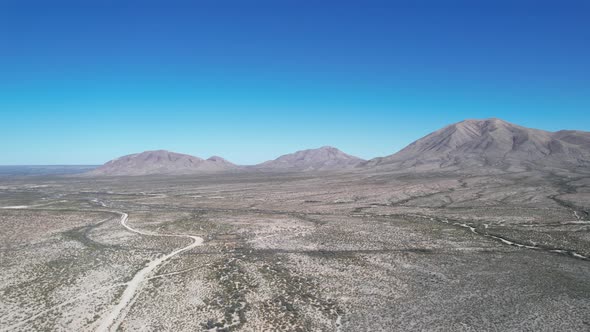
(296, 252)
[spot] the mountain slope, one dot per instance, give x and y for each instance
(160, 162)
(491, 143)
(324, 158)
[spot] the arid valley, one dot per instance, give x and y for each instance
(294, 166)
(355, 249)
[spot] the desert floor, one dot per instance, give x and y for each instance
(296, 252)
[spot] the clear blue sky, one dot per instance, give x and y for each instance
(82, 82)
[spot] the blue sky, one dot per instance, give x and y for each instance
(82, 82)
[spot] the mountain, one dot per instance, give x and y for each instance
(491, 143)
(161, 162)
(324, 158)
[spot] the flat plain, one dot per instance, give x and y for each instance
(307, 251)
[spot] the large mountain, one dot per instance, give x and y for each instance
(161, 162)
(324, 158)
(491, 143)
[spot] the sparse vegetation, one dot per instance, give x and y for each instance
(295, 252)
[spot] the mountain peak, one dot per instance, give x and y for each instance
(323, 158)
(482, 121)
(218, 159)
(489, 143)
(484, 124)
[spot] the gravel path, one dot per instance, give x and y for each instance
(112, 320)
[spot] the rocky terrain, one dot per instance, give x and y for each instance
(493, 144)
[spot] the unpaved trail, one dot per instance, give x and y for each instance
(72, 300)
(112, 320)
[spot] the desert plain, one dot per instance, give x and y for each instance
(297, 251)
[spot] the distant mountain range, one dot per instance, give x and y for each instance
(161, 162)
(490, 144)
(170, 163)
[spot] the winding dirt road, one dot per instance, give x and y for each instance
(112, 320)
